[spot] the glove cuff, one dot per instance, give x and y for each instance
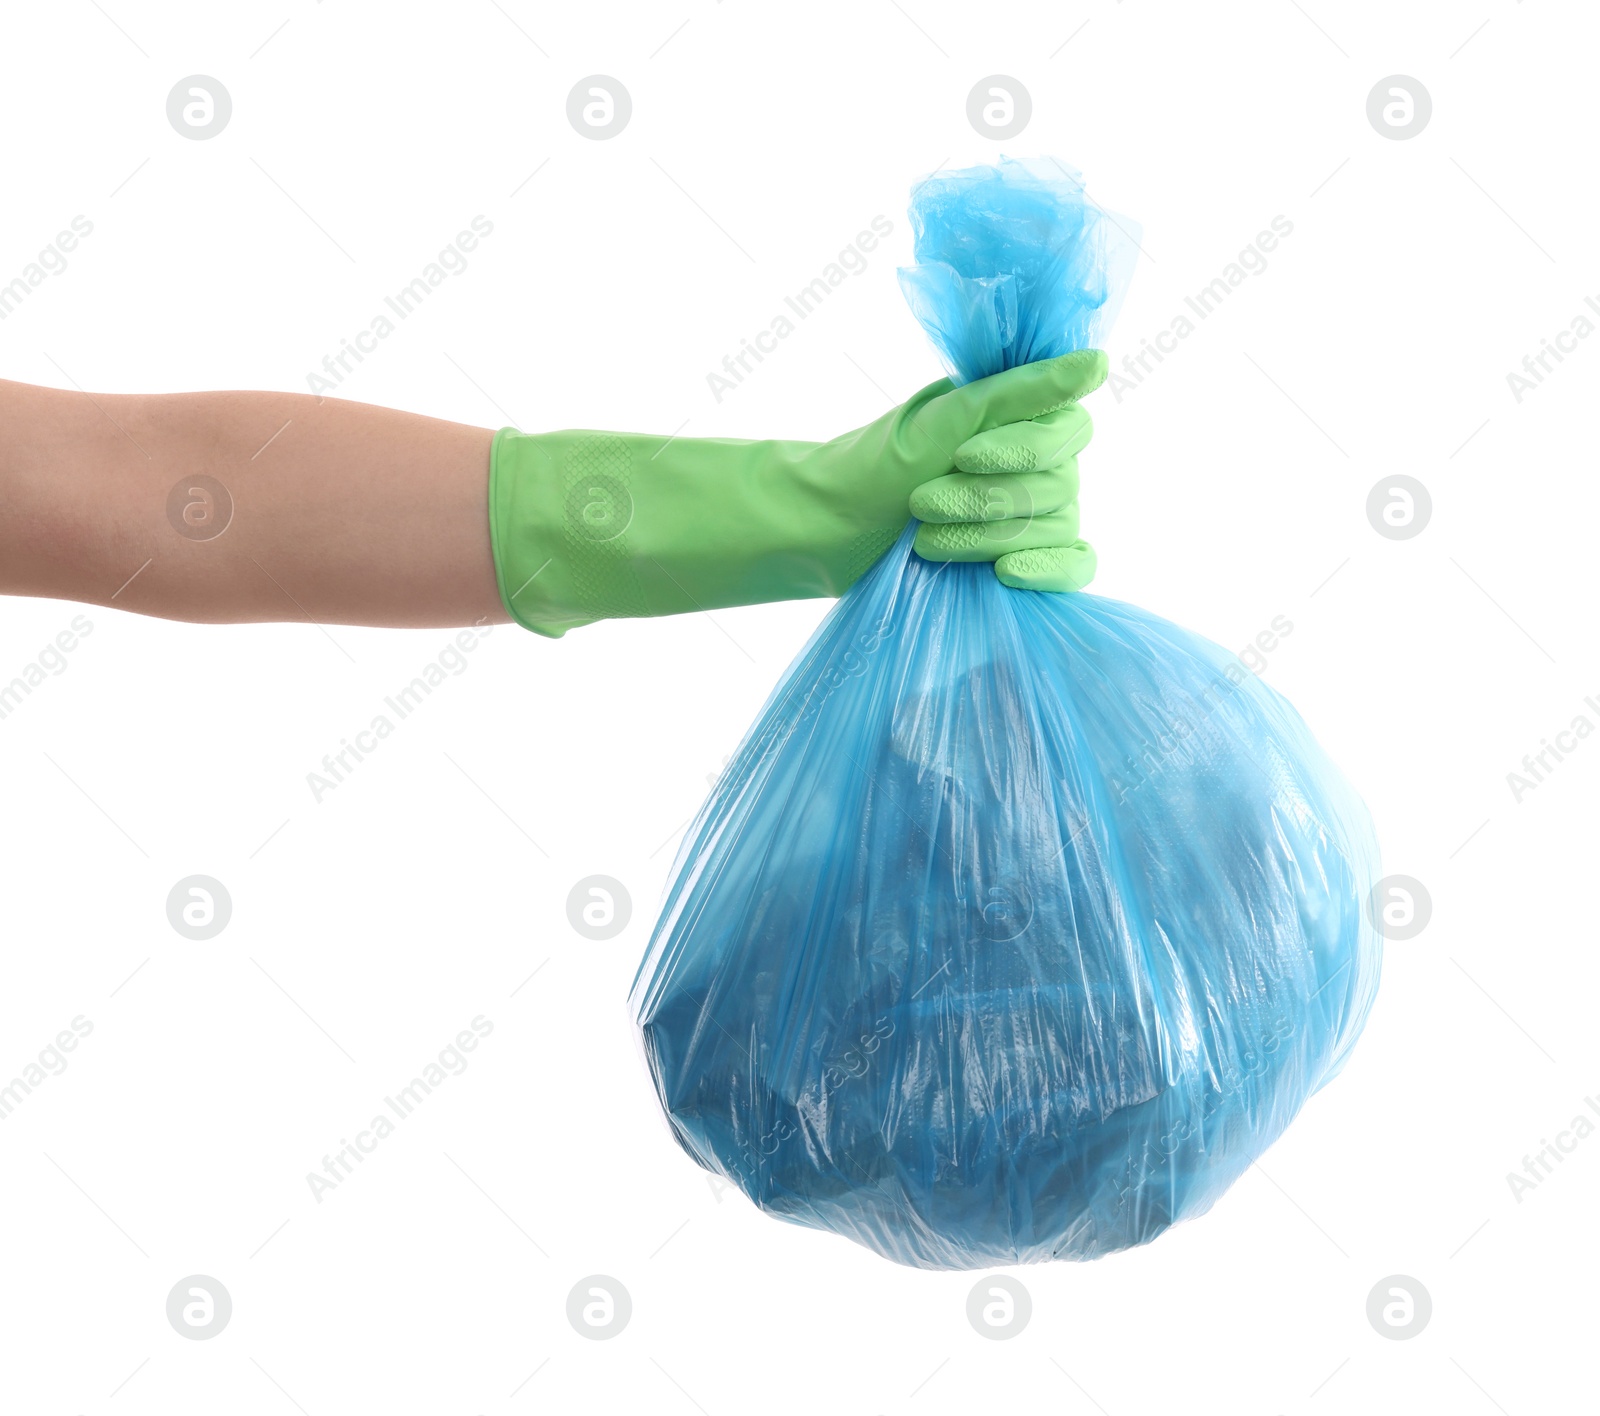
(560, 508)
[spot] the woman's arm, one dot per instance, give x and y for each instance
(232, 507)
(229, 507)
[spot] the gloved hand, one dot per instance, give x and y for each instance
(590, 526)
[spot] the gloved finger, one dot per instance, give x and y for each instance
(989, 540)
(1031, 446)
(995, 496)
(1011, 397)
(1048, 567)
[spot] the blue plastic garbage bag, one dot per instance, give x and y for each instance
(1020, 924)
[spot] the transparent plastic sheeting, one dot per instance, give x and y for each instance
(1021, 923)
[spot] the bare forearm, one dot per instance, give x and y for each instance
(228, 507)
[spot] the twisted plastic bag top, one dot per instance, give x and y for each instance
(1020, 924)
(1014, 264)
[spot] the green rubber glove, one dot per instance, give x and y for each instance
(589, 526)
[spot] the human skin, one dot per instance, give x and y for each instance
(342, 513)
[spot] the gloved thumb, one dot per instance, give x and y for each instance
(1012, 396)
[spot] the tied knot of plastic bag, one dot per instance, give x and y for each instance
(1014, 264)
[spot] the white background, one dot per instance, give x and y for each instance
(371, 927)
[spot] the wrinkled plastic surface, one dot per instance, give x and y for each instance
(1014, 264)
(1021, 923)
